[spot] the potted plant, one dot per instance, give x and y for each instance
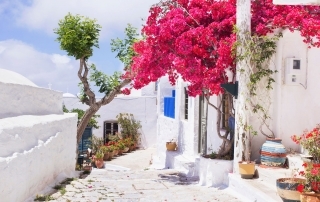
(107, 152)
(171, 145)
(310, 189)
(98, 159)
(287, 187)
(121, 147)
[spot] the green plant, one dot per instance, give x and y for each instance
(93, 120)
(63, 190)
(96, 143)
(99, 154)
(253, 56)
(129, 126)
(105, 149)
(121, 146)
(43, 198)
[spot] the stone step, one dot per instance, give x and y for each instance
(176, 160)
(263, 188)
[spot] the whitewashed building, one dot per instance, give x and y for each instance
(37, 140)
(141, 103)
(295, 107)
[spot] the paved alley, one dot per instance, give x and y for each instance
(128, 179)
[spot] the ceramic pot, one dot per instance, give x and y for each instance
(309, 197)
(107, 156)
(171, 146)
(287, 189)
(246, 169)
(273, 153)
(99, 163)
(126, 149)
(132, 148)
(120, 152)
(115, 152)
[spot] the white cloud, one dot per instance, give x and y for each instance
(112, 15)
(40, 68)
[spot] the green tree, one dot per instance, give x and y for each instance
(93, 120)
(78, 36)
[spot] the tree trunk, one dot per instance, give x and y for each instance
(85, 120)
(242, 138)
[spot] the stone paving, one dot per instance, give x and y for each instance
(139, 185)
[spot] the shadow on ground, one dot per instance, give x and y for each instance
(178, 178)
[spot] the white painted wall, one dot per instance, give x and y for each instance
(185, 132)
(142, 107)
(28, 100)
(36, 152)
(294, 107)
(37, 141)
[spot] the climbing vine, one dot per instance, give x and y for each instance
(257, 52)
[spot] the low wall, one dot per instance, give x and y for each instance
(36, 152)
(214, 172)
(19, 100)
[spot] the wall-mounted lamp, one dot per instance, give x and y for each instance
(232, 88)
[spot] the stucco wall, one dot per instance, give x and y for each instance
(143, 108)
(17, 99)
(36, 152)
(298, 107)
(294, 107)
(184, 131)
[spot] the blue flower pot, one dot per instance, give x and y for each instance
(273, 153)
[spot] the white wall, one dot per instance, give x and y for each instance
(185, 132)
(37, 141)
(294, 107)
(36, 152)
(17, 99)
(143, 108)
(298, 107)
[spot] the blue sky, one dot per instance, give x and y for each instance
(27, 41)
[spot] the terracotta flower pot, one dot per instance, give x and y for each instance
(132, 148)
(246, 169)
(115, 152)
(126, 149)
(120, 152)
(310, 197)
(107, 156)
(99, 163)
(171, 146)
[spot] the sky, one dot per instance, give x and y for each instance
(27, 40)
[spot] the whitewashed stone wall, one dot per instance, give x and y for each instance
(37, 141)
(36, 153)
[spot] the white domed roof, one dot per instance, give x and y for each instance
(68, 95)
(7, 76)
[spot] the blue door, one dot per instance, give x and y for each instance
(85, 142)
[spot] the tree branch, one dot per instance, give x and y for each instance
(108, 98)
(84, 80)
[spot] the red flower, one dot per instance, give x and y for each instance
(314, 171)
(300, 188)
(301, 173)
(305, 165)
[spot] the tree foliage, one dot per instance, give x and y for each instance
(78, 36)
(93, 120)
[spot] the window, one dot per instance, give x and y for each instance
(225, 111)
(110, 128)
(186, 102)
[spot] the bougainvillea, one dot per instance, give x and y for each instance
(194, 38)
